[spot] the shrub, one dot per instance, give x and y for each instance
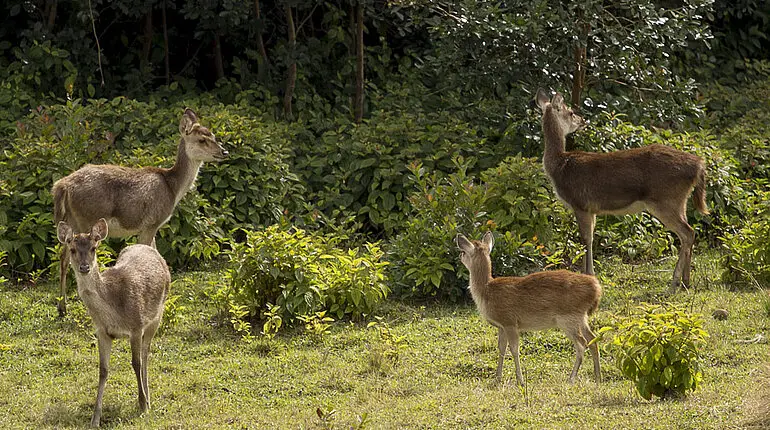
(741, 115)
(361, 169)
(658, 347)
(255, 183)
(292, 273)
(748, 248)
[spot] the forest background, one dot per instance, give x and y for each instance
(363, 136)
(380, 130)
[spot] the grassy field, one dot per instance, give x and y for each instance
(428, 366)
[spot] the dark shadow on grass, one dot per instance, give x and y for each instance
(472, 371)
(60, 415)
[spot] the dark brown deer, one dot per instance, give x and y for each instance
(537, 301)
(655, 178)
(126, 300)
(133, 201)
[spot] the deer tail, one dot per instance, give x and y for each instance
(597, 296)
(699, 197)
(59, 203)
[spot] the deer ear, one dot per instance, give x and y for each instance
(64, 232)
(188, 121)
(99, 230)
(488, 240)
(558, 100)
(463, 243)
(541, 98)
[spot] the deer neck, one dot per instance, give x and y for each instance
(480, 276)
(181, 176)
(555, 141)
(89, 284)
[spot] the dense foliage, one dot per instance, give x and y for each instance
(445, 144)
(748, 248)
(295, 274)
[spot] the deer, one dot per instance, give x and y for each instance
(539, 301)
(134, 201)
(654, 178)
(126, 300)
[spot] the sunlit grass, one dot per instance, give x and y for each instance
(442, 376)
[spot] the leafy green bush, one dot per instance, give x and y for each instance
(748, 248)
(658, 348)
(255, 184)
(293, 273)
(362, 169)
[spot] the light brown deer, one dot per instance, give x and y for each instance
(537, 301)
(124, 300)
(655, 178)
(133, 201)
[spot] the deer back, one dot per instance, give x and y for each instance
(530, 302)
(617, 182)
(135, 199)
(612, 182)
(535, 301)
(133, 292)
(138, 198)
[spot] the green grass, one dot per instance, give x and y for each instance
(442, 376)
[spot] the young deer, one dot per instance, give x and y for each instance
(655, 178)
(133, 201)
(537, 301)
(125, 300)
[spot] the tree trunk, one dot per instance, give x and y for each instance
(165, 45)
(579, 75)
(263, 61)
(50, 11)
(358, 101)
(147, 39)
(218, 60)
(291, 73)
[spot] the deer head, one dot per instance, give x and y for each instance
(82, 246)
(475, 254)
(200, 143)
(557, 115)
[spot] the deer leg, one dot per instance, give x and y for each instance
(502, 345)
(105, 348)
(147, 237)
(589, 336)
(573, 333)
(512, 333)
(675, 220)
(64, 267)
(136, 363)
(586, 222)
(149, 333)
